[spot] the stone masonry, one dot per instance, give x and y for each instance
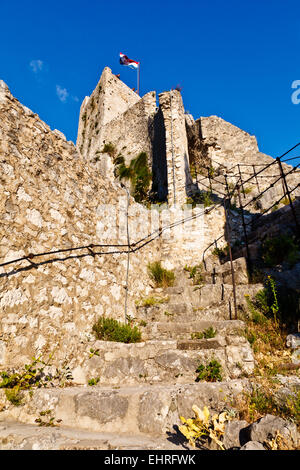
(177, 157)
(74, 246)
(53, 199)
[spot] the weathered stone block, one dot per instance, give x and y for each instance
(200, 344)
(252, 445)
(267, 427)
(235, 435)
(104, 407)
(293, 341)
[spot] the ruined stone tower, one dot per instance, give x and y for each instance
(117, 115)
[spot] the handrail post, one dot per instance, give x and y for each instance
(209, 178)
(288, 195)
(241, 180)
(231, 262)
(245, 231)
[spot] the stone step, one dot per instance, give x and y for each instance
(167, 312)
(184, 330)
(19, 436)
(137, 411)
(192, 304)
(196, 344)
(162, 361)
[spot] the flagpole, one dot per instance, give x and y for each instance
(138, 79)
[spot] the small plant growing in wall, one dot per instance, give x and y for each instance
(221, 253)
(151, 301)
(206, 334)
(247, 190)
(47, 419)
(93, 381)
(138, 173)
(210, 372)
(205, 198)
(34, 375)
(109, 329)
(94, 352)
(195, 273)
(110, 149)
(266, 302)
(161, 276)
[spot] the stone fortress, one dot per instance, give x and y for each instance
(170, 137)
(62, 205)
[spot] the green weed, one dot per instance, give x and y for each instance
(161, 276)
(210, 372)
(109, 329)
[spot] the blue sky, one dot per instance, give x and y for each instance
(234, 59)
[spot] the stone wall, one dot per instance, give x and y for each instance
(131, 132)
(177, 156)
(52, 199)
(231, 145)
(110, 99)
(225, 146)
(198, 149)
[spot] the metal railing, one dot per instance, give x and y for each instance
(281, 178)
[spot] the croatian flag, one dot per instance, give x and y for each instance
(124, 60)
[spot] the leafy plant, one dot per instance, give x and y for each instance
(251, 336)
(266, 300)
(247, 190)
(151, 301)
(34, 376)
(94, 352)
(137, 173)
(286, 200)
(260, 403)
(206, 334)
(93, 381)
(221, 253)
(256, 275)
(204, 197)
(276, 250)
(255, 316)
(211, 171)
(46, 419)
(210, 372)
(262, 400)
(195, 273)
(161, 276)
(109, 329)
(14, 396)
(168, 314)
(203, 427)
(278, 442)
(293, 406)
(109, 148)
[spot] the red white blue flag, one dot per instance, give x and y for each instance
(124, 60)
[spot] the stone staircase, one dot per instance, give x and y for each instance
(143, 388)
